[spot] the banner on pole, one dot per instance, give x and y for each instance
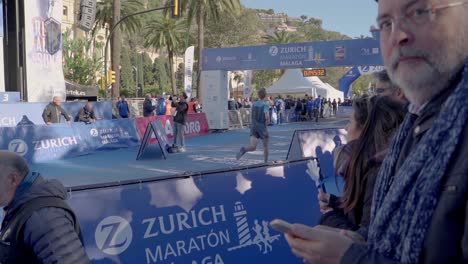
(247, 84)
(189, 53)
(43, 50)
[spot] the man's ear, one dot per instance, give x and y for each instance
(14, 179)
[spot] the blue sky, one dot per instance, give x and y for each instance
(350, 17)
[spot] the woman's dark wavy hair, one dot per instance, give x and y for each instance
(378, 117)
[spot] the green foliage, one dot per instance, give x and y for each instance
(161, 74)
(104, 14)
(214, 9)
(180, 74)
(361, 85)
(264, 78)
(126, 72)
(165, 32)
(241, 30)
(282, 38)
(334, 75)
(79, 66)
(266, 11)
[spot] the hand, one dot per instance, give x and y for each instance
(92, 120)
(318, 244)
(324, 201)
(49, 123)
(314, 171)
(356, 237)
(69, 122)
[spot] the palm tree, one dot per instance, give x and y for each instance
(105, 16)
(165, 32)
(200, 10)
(281, 38)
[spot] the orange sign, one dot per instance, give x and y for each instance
(314, 72)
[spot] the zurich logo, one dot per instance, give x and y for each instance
(18, 146)
(94, 132)
(113, 235)
(273, 51)
(218, 59)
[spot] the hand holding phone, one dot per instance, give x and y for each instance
(281, 226)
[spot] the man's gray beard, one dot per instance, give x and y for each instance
(434, 76)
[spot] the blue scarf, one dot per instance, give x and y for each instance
(27, 182)
(405, 200)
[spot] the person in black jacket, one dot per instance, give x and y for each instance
(87, 114)
(53, 112)
(180, 118)
(38, 226)
(370, 130)
(148, 106)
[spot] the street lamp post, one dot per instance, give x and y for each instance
(135, 69)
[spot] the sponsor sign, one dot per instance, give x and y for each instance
(215, 218)
(295, 55)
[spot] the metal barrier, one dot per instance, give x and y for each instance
(235, 119)
(245, 116)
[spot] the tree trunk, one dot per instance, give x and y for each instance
(201, 45)
(171, 68)
(115, 49)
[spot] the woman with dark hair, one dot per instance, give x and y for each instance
(372, 125)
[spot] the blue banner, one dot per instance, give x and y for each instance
(221, 217)
(108, 134)
(295, 55)
(345, 82)
(12, 113)
(10, 97)
(320, 144)
(44, 143)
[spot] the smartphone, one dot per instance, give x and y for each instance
(281, 226)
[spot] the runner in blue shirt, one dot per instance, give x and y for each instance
(258, 128)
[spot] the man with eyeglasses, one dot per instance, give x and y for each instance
(420, 209)
(385, 87)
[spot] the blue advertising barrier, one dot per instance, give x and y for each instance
(217, 217)
(319, 143)
(58, 141)
(12, 113)
(362, 52)
(10, 97)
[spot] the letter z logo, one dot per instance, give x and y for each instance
(18, 146)
(113, 235)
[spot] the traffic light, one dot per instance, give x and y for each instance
(176, 9)
(111, 77)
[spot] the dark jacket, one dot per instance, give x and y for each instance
(53, 112)
(357, 219)
(49, 235)
(85, 115)
(124, 110)
(181, 116)
(148, 108)
(446, 240)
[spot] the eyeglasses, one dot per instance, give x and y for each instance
(414, 17)
(380, 90)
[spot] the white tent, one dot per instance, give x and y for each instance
(331, 93)
(335, 93)
(293, 83)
